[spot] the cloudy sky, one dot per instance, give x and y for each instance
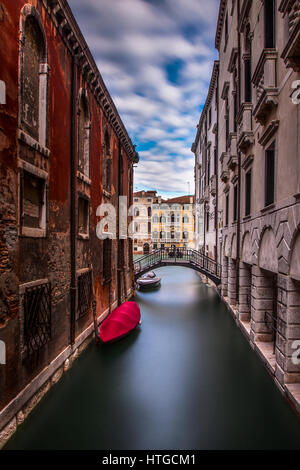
(156, 58)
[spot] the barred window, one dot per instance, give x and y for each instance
(85, 290)
(37, 318)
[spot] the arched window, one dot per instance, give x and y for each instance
(106, 162)
(34, 72)
(84, 134)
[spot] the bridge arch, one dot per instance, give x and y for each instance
(182, 256)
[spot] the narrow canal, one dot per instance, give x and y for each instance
(187, 380)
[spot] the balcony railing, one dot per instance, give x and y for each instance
(291, 51)
(265, 82)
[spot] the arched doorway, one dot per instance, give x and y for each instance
(146, 249)
(265, 296)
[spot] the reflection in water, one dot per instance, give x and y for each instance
(187, 379)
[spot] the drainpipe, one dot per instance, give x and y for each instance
(73, 204)
(239, 166)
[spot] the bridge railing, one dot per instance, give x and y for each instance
(178, 255)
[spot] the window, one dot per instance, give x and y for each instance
(185, 219)
(37, 318)
(106, 162)
(107, 259)
(209, 117)
(136, 199)
(83, 216)
(155, 219)
(185, 235)
(33, 202)
(235, 203)
(149, 211)
(207, 221)
(154, 246)
(34, 76)
(248, 183)
(83, 134)
(227, 210)
(270, 175)
(149, 227)
(136, 212)
(270, 23)
(248, 89)
(85, 290)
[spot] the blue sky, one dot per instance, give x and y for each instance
(155, 57)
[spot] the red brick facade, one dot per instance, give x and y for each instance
(53, 162)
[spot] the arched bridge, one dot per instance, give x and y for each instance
(178, 257)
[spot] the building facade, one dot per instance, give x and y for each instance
(258, 157)
(160, 223)
(143, 202)
(205, 148)
(64, 151)
(173, 223)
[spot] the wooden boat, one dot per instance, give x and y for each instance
(149, 280)
(120, 322)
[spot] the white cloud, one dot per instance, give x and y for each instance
(134, 42)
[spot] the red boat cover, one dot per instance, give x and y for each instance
(120, 322)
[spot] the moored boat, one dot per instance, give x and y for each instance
(120, 322)
(148, 281)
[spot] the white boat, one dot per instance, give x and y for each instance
(148, 280)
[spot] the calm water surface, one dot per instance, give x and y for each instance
(186, 380)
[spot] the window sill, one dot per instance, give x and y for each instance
(84, 178)
(31, 142)
(31, 232)
(268, 208)
(106, 194)
(83, 236)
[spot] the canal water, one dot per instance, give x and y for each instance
(186, 380)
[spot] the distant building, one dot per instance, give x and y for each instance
(162, 223)
(142, 202)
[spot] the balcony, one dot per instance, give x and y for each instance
(232, 150)
(224, 167)
(245, 132)
(291, 51)
(205, 195)
(265, 82)
(213, 185)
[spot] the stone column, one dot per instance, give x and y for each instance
(245, 292)
(225, 276)
(288, 337)
(232, 282)
(262, 302)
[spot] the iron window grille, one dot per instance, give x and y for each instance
(37, 318)
(84, 293)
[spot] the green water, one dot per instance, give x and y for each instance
(186, 380)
